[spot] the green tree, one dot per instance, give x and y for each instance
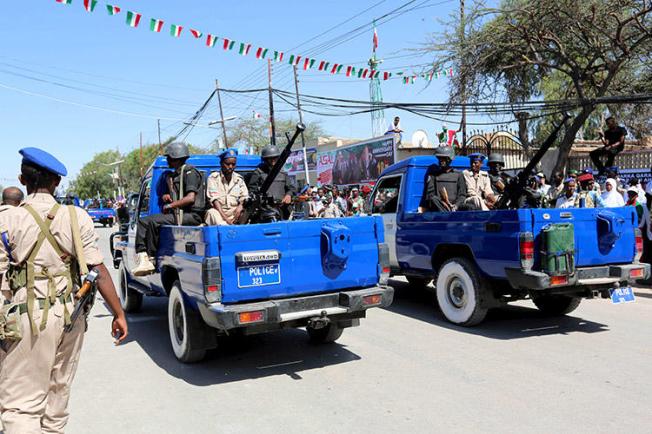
(591, 49)
(255, 132)
(95, 176)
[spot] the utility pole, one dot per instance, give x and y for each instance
(272, 126)
(160, 144)
(463, 74)
(140, 155)
(303, 140)
(219, 102)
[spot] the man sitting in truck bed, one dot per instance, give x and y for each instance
(184, 205)
(226, 191)
(445, 190)
(479, 195)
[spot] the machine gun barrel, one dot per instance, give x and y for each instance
(276, 169)
(514, 190)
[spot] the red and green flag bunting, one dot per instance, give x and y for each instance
(113, 10)
(228, 44)
(261, 53)
(133, 19)
(244, 48)
(210, 40)
(175, 30)
(89, 5)
(155, 25)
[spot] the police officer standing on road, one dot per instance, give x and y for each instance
(226, 191)
(282, 188)
(47, 246)
(184, 205)
(445, 188)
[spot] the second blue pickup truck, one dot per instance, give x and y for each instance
(483, 259)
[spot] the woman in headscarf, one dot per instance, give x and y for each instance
(611, 197)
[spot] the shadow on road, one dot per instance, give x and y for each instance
(509, 322)
(286, 352)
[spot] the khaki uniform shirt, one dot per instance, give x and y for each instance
(23, 232)
(478, 185)
(228, 194)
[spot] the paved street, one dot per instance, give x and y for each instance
(403, 369)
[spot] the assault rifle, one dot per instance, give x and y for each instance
(84, 298)
(259, 208)
(515, 188)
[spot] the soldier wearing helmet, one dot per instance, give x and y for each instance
(183, 204)
(496, 164)
(282, 189)
(446, 190)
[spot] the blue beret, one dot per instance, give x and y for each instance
(475, 157)
(567, 180)
(588, 170)
(228, 153)
(44, 160)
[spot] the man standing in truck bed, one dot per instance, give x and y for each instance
(282, 188)
(446, 190)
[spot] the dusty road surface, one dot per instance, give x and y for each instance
(403, 369)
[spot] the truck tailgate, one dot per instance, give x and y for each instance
(602, 235)
(283, 259)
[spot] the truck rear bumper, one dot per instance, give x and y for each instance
(601, 277)
(337, 306)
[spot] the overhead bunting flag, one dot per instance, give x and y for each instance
(261, 53)
(244, 48)
(175, 30)
(210, 40)
(89, 5)
(228, 44)
(155, 25)
(133, 19)
(113, 10)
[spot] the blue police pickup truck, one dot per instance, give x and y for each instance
(483, 259)
(100, 213)
(252, 278)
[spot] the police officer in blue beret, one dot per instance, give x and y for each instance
(45, 247)
(226, 191)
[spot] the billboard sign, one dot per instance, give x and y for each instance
(359, 163)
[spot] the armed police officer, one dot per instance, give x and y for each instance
(446, 189)
(498, 179)
(183, 205)
(282, 188)
(226, 191)
(45, 247)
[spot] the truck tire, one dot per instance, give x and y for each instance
(187, 329)
(418, 282)
(556, 304)
(130, 299)
(324, 335)
(460, 292)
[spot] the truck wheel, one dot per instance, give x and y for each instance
(130, 299)
(460, 292)
(418, 282)
(187, 329)
(556, 304)
(327, 334)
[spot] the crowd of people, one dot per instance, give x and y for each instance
(329, 201)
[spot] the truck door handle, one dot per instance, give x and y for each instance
(493, 227)
(190, 248)
(271, 232)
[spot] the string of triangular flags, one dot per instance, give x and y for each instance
(134, 19)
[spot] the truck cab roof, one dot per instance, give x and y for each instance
(425, 161)
(246, 163)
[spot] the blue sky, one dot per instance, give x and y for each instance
(146, 75)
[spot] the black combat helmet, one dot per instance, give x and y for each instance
(444, 152)
(496, 158)
(177, 150)
(270, 151)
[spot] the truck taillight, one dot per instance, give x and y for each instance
(526, 247)
(639, 244)
(383, 263)
(212, 279)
